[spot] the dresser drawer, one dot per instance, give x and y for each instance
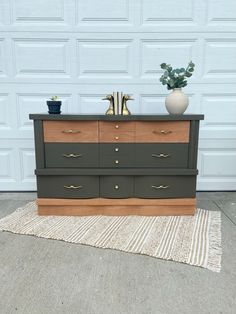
(70, 131)
(116, 186)
(68, 186)
(119, 132)
(161, 155)
(117, 155)
(162, 132)
(164, 186)
(71, 155)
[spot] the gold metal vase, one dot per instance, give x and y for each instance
(110, 110)
(125, 110)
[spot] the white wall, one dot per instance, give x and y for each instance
(83, 49)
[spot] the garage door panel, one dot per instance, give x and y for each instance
(221, 158)
(217, 108)
(220, 58)
(105, 58)
(41, 57)
(17, 164)
(82, 50)
(109, 16)
(115, 58)
(217, 175)
(216, 164)
(7, 170)
(41, 12)
(220, 113)
(221, 12)
(105, 12)
(27, 162)
(32, 103)
(158, 12)
(3, 58)
(154, 51)
(5, 112)
(154, 103)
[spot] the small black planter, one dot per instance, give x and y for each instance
(54, 106)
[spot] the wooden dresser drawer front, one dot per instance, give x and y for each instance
(116, 186)
(71, 155)
(164, 186)
(116, 126)
(161, 155)
(68, 186)
(70, 131)
(162, 131)
(119, 132)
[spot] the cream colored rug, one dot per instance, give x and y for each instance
(194, 240)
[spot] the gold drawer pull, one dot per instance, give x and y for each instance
(162, 132)
(116, 149)
(73, 187)
(116, 187)
(71, 131)
(117, 137)
(160, 187)
(117, 126)
(161, 155)
(116, 161)
(72, 155)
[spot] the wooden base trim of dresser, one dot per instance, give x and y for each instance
(116, 207)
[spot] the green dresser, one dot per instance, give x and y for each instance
(116, 165)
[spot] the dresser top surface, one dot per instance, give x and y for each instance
(134, 117)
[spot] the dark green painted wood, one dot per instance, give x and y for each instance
(134, 173)
(148, 117)
(112, 161)
(109, 171)
(39, 144)
(117, 155)
(116, 186)
(116, 149)
(128, 186)
(53, 187)
(148, 155)
(193, 145)
(178, 186)
(88, 155)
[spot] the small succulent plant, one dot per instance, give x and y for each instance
(54, 98)
(176, 78)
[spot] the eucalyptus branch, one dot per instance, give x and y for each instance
(176, 78)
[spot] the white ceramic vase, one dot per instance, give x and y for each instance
(176, 102)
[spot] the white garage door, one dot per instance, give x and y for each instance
(83, 49)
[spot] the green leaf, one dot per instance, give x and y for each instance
(163, 65)
(171, 83)
(166, 74)
(188, 74)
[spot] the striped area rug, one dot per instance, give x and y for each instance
(194, 240)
